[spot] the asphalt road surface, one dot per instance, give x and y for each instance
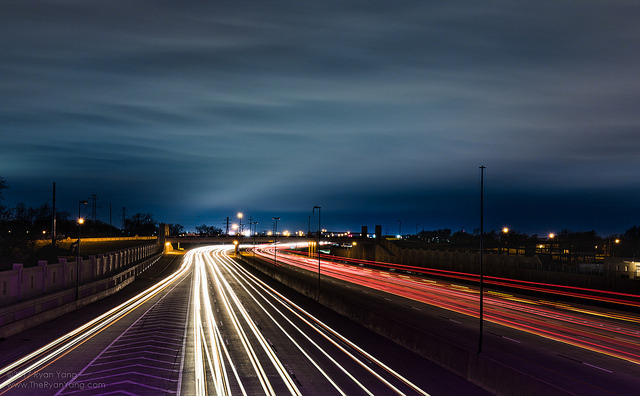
(203, 324)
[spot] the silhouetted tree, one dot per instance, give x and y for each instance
(175, 229)
(208, 230)
(140, 224)
(436, 236)
(630, 243)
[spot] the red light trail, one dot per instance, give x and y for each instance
(612, 333)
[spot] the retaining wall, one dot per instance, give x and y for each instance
(20, 316)
(479, 369)
(526, 268)
(22, 283)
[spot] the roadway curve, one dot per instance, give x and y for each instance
(582, 349)
(206, 325)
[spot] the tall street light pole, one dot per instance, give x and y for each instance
(318, 246)
(255, 231)
(275, 242)
(80, 222)
(482, 168)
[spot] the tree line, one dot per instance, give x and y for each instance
(626, 244)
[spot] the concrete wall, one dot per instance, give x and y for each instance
(20, 316)
(527, 268)
(495, 377)
(22, 283)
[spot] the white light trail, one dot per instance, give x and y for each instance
(30, 364)
(321, 328)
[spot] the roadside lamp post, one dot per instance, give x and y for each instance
(240, 217)
(482, 168)
(275, 241)
(318, 246)
(80, 222)
(616, 241)
(255, 231)
(505, 231)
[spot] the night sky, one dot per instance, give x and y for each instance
(381, 112)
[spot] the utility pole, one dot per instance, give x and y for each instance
(53, 217)
(482, 168)
(227, 232)
(318, 246)
(275, 241)
(124, 211)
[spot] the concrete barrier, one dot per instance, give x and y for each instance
(21, 316)
(21, 284)
(489, 374)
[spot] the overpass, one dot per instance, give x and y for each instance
(177, 242)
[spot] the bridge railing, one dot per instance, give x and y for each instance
(22, 283)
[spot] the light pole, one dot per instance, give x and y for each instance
(318, 246)
(240, 217)
(482, 168)
(80, 222)
(275, 242)
(505, 231)
(255, 231)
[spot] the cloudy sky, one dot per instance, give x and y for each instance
(381, 112)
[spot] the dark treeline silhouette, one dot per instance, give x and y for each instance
(24, 231)
(206, 230)
(581, 242)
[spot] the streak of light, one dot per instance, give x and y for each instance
(575, 326)
(32, 363)
(330, 335)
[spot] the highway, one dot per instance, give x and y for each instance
(131, 343)
(253, 339)
(596, 348)
(204, 324)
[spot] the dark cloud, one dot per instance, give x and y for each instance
(196, 109)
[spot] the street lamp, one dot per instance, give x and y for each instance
(318, 247)
(80, 222)
(505, 231)
(275, 242)
(482, 168)
(240, 217)
(255, 231)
